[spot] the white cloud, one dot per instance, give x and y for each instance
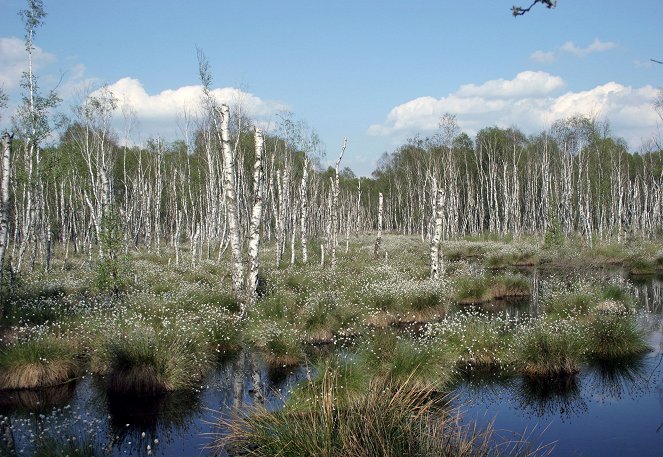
(596, 46)
(571, 48)
(157, 114)
(543, 57)
(508, 103)
(14, 61)
(525, 84)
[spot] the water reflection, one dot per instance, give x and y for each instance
(36, 401)
(545, 397)
(173, 424)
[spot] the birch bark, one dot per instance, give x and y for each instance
(256, 215)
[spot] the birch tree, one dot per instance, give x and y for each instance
(334, 207)
(256, 215)
(378, 238)
(34, 127)
(435, 251)
(4, 197)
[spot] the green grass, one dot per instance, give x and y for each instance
(479, 341)
(38, 362)
(614, 336)
(146, 362)
(389, 420)
(570, 304)
(398, 358)
(549, 348)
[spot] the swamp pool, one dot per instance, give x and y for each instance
(607, 409)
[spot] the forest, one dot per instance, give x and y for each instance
(334, 315)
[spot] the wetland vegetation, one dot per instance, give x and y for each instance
(317, 312)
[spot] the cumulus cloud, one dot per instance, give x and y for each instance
(596, 46)
(157, 114)
(525, 84)
(508, 103)
(14, 61)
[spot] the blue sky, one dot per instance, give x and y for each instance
(377, 72)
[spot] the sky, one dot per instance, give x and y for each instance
(376, 72)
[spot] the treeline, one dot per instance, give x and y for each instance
(574, 178)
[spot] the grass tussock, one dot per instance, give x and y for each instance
(389, 420)
(549, 348)
(144, 362)
(39, 362)
(614, 336)
(482, 289)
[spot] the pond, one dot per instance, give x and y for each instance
(607, 409)
(612, 409)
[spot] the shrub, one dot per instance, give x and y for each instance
(113, 270)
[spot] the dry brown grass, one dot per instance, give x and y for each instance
(41, 362)
(40, 374)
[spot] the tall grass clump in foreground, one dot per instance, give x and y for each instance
(144, 362)
(40, 362)
(390, 420)
(549, 348)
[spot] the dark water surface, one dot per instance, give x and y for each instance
(171, 425)
(606, 410)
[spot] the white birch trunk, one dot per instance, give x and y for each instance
(231, 203)
(378, 239)
(4, 197)
(334, 208)
(256, 216)
(435, 252)
(303, 198)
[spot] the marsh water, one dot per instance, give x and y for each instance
(608, 409)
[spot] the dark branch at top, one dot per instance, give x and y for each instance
(519, 10)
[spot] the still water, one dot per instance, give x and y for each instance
(607, 409)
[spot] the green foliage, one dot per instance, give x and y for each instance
(113, 269)
(554, 236)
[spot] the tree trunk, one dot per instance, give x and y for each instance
(378, 239)
(435, 252)
(256, 215)
(4, 198)
(231, 203)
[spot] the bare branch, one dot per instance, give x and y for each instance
(519, 10)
